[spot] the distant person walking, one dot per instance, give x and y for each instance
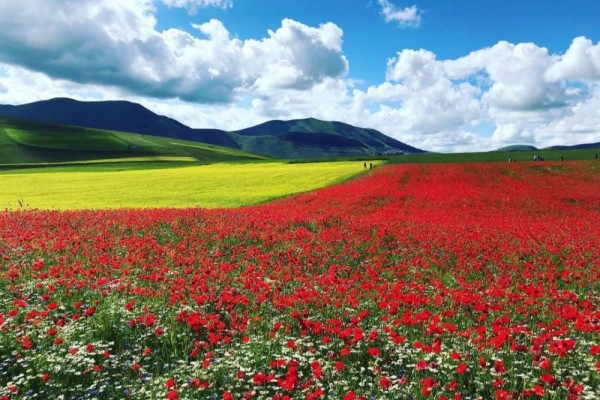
(365, 166)
(370, 165)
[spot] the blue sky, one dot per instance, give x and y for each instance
(450, 29)
(457, 75)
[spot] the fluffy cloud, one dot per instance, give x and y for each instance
(580, 125)
(327, 100)
(126, 51)
(419, 98)
(295, 56)
(405, 17)
(192, 6)
(581, 61)
(515, 74)
(504, 94)
(520, 92)
(25, 86)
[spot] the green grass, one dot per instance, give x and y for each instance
(49, 166)
(209, 186)
(496, 156)
(57, 167)
(92, 140)
(109, 164)
(26, 143)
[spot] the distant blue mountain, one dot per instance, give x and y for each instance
(527, 147)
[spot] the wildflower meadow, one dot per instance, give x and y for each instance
(430, 281)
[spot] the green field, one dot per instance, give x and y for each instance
(497, 156)
(49, 166)
(27, 143)
(209, 186)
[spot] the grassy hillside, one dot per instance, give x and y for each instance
(518, 147)
(313, 138)
(210, 186)
(122, 116)
(525, 147)
(302, 138)
(576, 146)
(79, 168)
(31, 143)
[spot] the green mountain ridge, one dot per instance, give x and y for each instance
(301, 138)
(312, 137)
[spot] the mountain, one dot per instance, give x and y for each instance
(525, 147)
(24, 142)
(576, 146)
(303, 138)
(122, 116)
(518, 147)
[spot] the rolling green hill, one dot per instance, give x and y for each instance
(32, 143)
(576, 146)
(526, 147)
(313, 138)
(122, 116)
(303, 138)
(518, 147)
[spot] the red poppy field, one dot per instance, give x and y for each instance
(447, 281)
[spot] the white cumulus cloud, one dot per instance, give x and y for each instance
(515, 74)
(505, 94)
(111, 49)
(581, 61)
(295, 56)
(405, 17)
(116, 43)
(192, 6)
